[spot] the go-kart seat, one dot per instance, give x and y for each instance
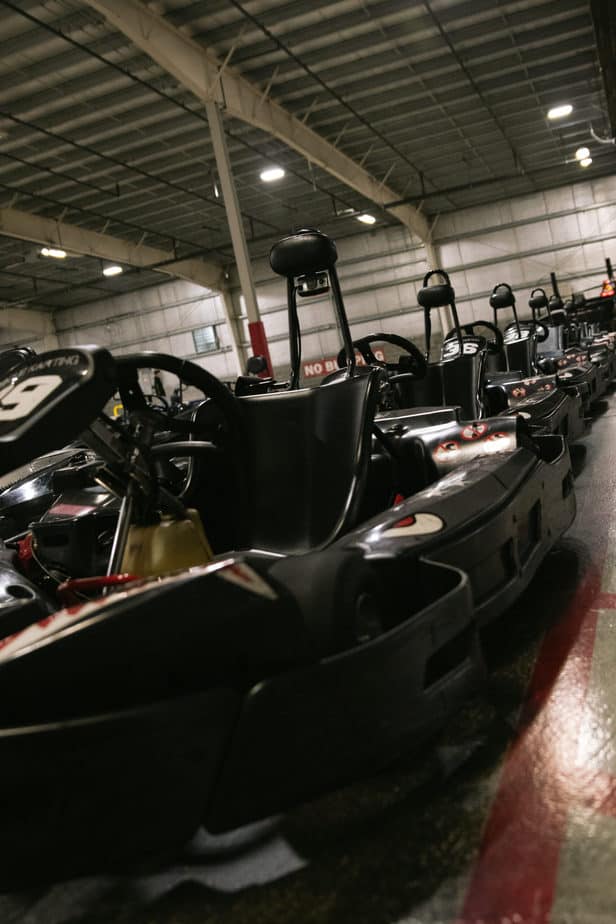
(462, 375)
(455, 379)
(519, 346)
(520, 350)
(426, 392)
(308, 462)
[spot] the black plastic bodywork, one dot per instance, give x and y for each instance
(344, 631)
(256, 719)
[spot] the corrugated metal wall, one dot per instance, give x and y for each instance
(570, 230)
(161, 318)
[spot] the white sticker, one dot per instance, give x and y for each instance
(448, 484)
(246, 577)
(417, 524)
(17, 401)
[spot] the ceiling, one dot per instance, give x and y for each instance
(444, 100)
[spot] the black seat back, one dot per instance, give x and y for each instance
(520, 346)
(458, 376)
(308, 458)
(426, 392)
(520, 343)
(462, 375)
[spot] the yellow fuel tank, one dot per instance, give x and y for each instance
(170, 545)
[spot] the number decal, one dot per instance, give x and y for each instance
(20, 400)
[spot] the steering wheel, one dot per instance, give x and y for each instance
(418, 367)
(493, 346)
(134, 400)
(541, 330)
(218, 424)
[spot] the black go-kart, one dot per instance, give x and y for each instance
(564, 352)
(517, 376)
(268, 624)
(595, 315)
(465, 373)
(590, 326)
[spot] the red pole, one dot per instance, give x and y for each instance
(258, 341)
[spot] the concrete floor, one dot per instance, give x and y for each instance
(510, 818)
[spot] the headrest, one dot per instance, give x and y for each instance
(303, 253)
(502, 296)
(437, 296)
(556, 303)
(256, 364)
(577, 301)
(538, 299)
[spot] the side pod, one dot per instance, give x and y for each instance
(495, 518)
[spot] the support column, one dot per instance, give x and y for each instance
(239, 353)
(256, 330)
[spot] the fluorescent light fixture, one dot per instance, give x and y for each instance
(586, 162)
(112, 270)
(271, 174)
(54, 252)
(582, 154)
(559, 112)
(366, 218)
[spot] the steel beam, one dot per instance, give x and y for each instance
(604, 22)
(233, 323)
(198, 69)
(256, 330)
(47, 231)
(73, 239)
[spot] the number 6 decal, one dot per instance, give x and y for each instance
(20, 400)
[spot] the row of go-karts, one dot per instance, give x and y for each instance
(208, 617)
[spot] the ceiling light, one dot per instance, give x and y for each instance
(366, 218)
(112, 270)
(582, 154)
(586, 162)
(54, 252)
(271, 174)
(559, 112)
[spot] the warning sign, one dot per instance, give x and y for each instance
(318, 367)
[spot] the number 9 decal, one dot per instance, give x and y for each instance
(20, 400)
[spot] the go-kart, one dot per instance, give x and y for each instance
(591, 328)
(310, 634)
(526, 344)
(429, 418)
(515, 379)
(462, 373)
(592, 315)
(564, 353)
